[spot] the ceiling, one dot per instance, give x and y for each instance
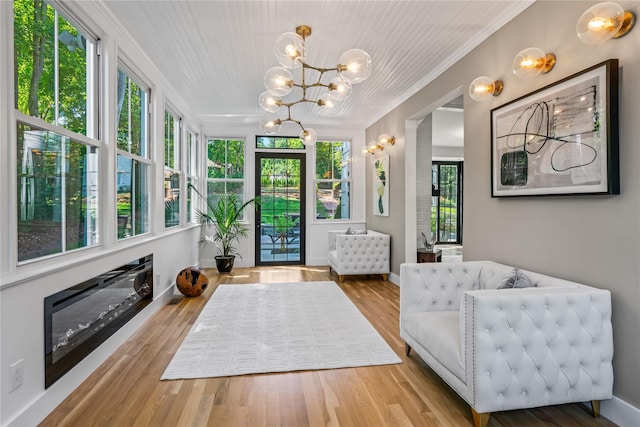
(215, 53)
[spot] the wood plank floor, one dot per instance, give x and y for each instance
(126, 390)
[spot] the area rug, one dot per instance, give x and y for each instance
(278, 327)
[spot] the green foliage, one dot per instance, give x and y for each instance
(131, 114)
(330, 159)
(284, 224)
(226, 217)
(274, 206)
(279, 142)
(225, 158)
(35, 66)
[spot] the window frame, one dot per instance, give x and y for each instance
(172, 172)
(90, 140)
(145, 158)
(227, 180)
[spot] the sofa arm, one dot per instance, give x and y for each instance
(537, 346)
(435, 286)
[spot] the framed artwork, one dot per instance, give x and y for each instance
(559, 140)
(381, 186)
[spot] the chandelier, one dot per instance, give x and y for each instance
(353, 67)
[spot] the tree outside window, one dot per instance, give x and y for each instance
(333, 180)
(225, 168)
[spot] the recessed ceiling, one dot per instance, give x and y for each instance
(215, 53)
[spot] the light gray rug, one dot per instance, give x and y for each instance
(278, 327)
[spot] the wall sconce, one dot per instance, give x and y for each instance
(604, 21)
(383, 140)
(533, 61)
(483, 88)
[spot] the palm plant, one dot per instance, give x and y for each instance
(226, 215)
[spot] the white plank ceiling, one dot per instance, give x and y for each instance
(215, 53)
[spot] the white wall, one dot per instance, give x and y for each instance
(24, 287)
(590, 239)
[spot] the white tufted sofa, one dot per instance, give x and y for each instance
(359, 253)
(503, 349)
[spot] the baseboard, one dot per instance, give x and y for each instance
(49, 399)
(620, 412)
(394, 278)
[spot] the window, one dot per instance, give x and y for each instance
(133, 164)
(192, 174)
(279, 142)
(55, 68)
(171, 169)
(225, 168)
(333, 180)
(57, 171)
(446, 201)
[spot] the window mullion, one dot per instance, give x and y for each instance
(63, 192)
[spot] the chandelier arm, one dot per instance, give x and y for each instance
(291, 104)
(321, 70)
(306, 86)
(298, 122)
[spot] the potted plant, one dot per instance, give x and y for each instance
(226, 217)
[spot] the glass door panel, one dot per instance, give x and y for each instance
(280, 229)
(446, 205)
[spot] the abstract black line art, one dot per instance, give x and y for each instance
(546, 121)
(552, 141)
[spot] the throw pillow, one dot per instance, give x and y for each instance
(516, 280)
(351, 231)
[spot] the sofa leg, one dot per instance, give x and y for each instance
(340, 277)
(595, 408)
(480, 420)
(407, 349)
(385, 276)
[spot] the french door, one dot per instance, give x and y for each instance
(280, 224)
(446, 205)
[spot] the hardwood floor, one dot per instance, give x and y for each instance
(126, 390)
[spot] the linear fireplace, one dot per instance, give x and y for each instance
(79, 319)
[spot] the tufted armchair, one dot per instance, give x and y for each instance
(503, 349)
(359, 253)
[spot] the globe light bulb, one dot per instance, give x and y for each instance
(604, 21)
(309, 136)
(354, 66)
(326, 104)
(484, 88)
(532, 61)
(386, 139)
(339, 89)
(278, 81)
(268, 102)
(289, 50)
(270, 125)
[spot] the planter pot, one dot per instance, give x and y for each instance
(225, 263)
